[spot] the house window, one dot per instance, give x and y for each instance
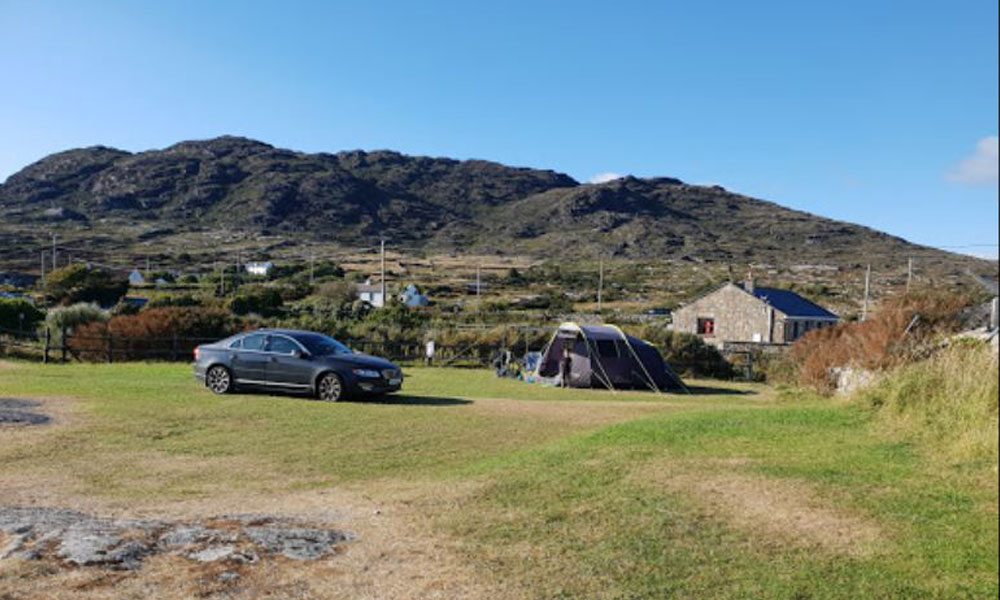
(706, 326)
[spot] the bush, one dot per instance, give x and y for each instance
(78, 283)
(18, 314)
(161, 300)
(166, 332)
(259, 299)
(72, 318)
(341, 293)
(879, 343)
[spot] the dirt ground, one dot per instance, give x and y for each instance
(397, 554)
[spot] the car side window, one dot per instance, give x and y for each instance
(280, 345)
(237, 344)
(254, 341)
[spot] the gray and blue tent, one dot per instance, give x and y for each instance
(603, 356)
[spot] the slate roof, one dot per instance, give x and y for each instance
(792, 304)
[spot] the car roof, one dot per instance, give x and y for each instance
(289, 332)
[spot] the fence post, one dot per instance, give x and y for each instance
(64, 343)
(111, 350)
(48, 342)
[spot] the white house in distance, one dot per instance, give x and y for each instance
(136, 278)
(259, 268)
(371, 293)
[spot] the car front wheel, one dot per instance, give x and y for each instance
(219, 380)
(330, 388)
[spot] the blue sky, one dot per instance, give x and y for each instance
(881, 113)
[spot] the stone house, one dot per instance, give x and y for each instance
(747, 313)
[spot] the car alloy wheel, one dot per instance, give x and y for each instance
(218, 380)
(330, 388)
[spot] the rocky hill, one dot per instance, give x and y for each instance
(352, 198)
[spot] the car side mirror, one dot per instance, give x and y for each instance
(300, 354)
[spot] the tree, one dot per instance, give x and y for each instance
(79, 283)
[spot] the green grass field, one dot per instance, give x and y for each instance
(735, 491)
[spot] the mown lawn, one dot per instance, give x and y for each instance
(735, 491)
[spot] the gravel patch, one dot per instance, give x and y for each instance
(78, 539)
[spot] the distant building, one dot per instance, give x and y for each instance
(747, 313)
(136, 278)
(411, 296)
(371, 293)
(259, 268)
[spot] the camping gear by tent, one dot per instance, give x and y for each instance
(604, 356)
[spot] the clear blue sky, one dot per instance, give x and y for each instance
(881, 113)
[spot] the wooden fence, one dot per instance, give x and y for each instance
(62, 346)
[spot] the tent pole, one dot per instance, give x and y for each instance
(607, 377)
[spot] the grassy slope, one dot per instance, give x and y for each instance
(561, 508)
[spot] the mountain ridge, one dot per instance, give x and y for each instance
(353, 196)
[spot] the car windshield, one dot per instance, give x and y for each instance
(321, 345)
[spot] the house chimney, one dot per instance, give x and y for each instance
(749, 286)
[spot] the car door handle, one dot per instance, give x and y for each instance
(274, 359)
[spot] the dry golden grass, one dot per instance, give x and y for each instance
(776, 511)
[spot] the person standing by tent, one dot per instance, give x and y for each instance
(565, 368)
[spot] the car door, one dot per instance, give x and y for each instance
(249, 362)
(286, 365)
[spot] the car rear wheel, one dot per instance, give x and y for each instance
(219, 380)
(330, 388)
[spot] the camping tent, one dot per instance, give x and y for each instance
(603, 356)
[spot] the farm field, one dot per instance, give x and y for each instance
(467, 486)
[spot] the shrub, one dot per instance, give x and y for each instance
(78, 283)
(161, 300)
(341, 293)
(881, 342)
(166, 332)
(258, 299)
(72, 318)
(18, 314)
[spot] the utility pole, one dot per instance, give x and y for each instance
(43, 266)
(53, 252)
(383, 272)
(909, 273)
(600, 282)
(868, 278)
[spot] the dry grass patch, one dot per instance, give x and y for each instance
(781, 511)
(591, 414)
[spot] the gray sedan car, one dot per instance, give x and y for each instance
(293, 361)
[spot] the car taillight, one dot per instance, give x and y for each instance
(196, 350)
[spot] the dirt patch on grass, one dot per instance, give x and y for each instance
(574, 414)
(397, 552)
(780, 510)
